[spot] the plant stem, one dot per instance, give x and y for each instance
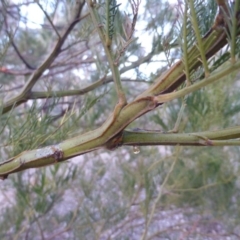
(115, 72)
(198, 37)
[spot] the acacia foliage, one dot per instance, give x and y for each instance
(175, 192)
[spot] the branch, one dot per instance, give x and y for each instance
(78, 92)
(29, 66)
(213, 78)
(12, 41)
(198, 37)
(175, 76)
(209, 138)
(107, 48)
(111, 134)
(49, 19)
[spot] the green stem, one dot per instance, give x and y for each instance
(114, 68)
(180, 116)
(160, 193)
(175, 75)
(185, 47)
(234, 30)
(223, 137)
(211, 79)
(198, 36)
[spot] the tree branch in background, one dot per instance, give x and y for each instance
(19, 54)
(26, 91)
(49, 20)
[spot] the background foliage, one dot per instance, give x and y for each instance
(161, 193)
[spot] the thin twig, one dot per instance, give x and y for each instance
(49, 19)
(153, 210)
(29, 66)
(13, 43)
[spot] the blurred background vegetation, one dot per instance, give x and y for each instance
(160, 193)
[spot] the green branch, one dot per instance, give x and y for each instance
(234, 29)
(185, 47)
(200, 44)
(211, 79)
(111, 134)
(109, 54)
(223, 137)
(175, 76)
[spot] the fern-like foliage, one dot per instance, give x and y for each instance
(111, 10)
